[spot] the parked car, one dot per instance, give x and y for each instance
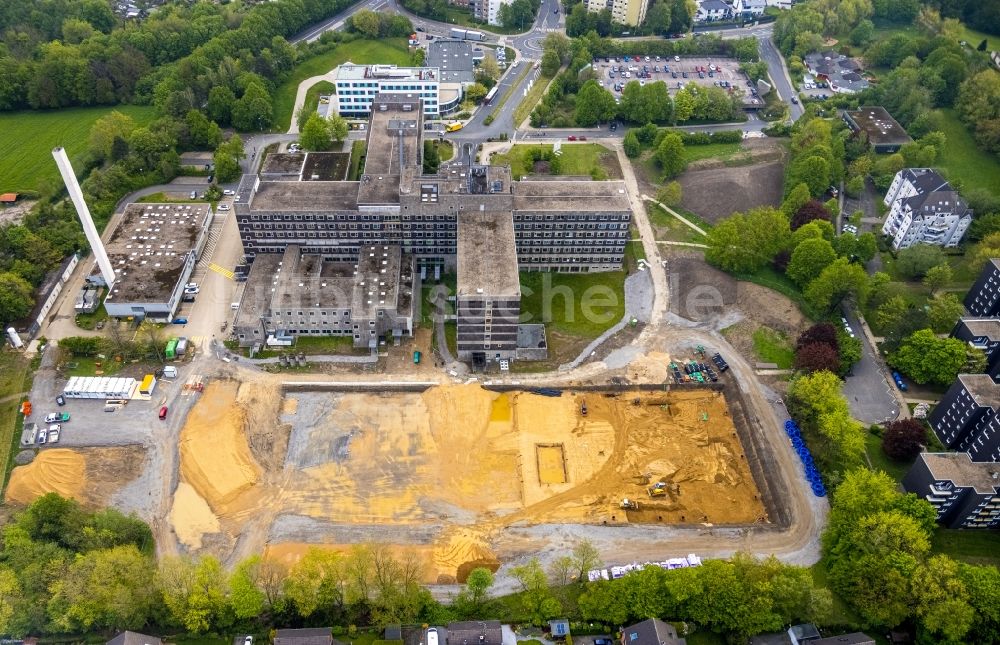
(60, 400)
(57, 417)
(571, 137)
(43, 436)
(179, 321)
(677, 59)
(224, 207)
(191, 290)
(582, 139)
(614, 126)
(228, 192)
(163, 413)
(54, 433)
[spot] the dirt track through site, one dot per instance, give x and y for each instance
(464, 460)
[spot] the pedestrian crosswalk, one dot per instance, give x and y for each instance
(226, 273)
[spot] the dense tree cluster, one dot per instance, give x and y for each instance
(816, 403)
(877, 549)
(927, 358)
(518, 14)
(743, 596)
(662, 17)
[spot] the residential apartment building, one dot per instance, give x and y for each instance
(713, 10)
(651, 632)
(924, 209)
(841, 72)
(560, 225)
(967, 417)
(748, 9)
(965, 493)
(983, 334)
(358, 85)
(625, 12)
(983, 298)
(488, 10)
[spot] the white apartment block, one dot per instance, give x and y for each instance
(924, 209)
(358, 85)
(749, 8)
(625, 12)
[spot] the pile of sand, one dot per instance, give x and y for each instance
(460, 550)
(54, 470)
(215, 457)
(649, 368)
(191, 517)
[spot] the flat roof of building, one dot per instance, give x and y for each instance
(351, 72)
(257, 292)
(878, 124)
(306, 280)
(305, 196)
(377, 279)
(487, 254)
(393, 144)
(453, 58)
(988, 327)
(959, 469)
(149, 247)
(984, 390)
(283, 163)
(583, 195)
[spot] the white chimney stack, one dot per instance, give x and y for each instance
(93, 237)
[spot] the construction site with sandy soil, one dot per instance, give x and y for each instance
(441, 472)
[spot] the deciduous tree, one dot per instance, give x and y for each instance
(809, 259)
(745, 243)
(943, 311)
(16, 297)
(315, 134)
(670, 155)
(840, 279)
(928, 359)
(816, 357)
(537, 600)
(903, 439)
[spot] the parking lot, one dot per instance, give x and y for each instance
(676, 72)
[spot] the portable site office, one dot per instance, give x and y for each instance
(99, 387)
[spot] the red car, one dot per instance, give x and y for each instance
(163, 412)
(571, 138)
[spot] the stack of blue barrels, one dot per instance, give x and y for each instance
(793, 432)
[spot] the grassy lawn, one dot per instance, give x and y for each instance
(312, 95)
(880, 461)
(668, 227)
(390, 51)
(26, 148)
(461, 17)
(14, 380)
(89, 321)
(163, 198)
(310, 345)
(89, 366)
(773, 347)
(972, 546)
(358, 151)
(585, 159)
(445, 150)
(584, 305)
(723, 151)
(962, 160)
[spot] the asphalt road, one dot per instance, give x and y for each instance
(868, 392)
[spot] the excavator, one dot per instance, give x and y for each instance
(660, 489)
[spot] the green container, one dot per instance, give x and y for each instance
(416, 358)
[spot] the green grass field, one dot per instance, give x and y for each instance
(576, 304)
(972, 546)
(723, 151)
(576, 159)
(26, 148)
(773, 347)
(962, 160)
(390, 51)
(881, 461)
(528, 103)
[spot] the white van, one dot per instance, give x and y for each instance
(169, 371)
(432, 636)
(234, 306)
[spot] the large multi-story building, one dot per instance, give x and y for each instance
(965, 493)
(983, 298)
(488, 10)
(358, 85)
(982, 334)
(625, 12)
(967, 417)
(566, 226)
(924, 209)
